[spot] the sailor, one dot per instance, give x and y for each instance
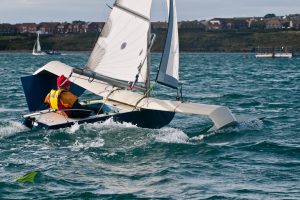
(64, 100)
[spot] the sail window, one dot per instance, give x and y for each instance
(123, 46)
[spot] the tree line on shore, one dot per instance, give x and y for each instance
(190, 41)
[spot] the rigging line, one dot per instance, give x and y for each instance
(151, 88)
(145, 95)
(104, 83)
(109, 6)
(86, 79)
(164, 6)
(148, 99)
(106, 99)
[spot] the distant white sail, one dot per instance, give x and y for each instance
(168, 71)
(121, 49)
(33, 50)
(38, 45)
(37, 50)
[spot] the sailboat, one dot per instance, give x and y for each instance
(118, 72)
(37, 50)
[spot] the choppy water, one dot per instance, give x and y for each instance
(181, 161)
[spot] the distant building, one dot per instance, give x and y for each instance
(26, 28)
(95, 27)
(235, 23)
(7, 29)
(48, 28)
(79, 27)
(216, 24)
(274, 23)
(227, 23)
(295, 23)
(63, 28)
(69, 28)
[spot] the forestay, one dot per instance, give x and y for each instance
(168, 72)
(121, 50)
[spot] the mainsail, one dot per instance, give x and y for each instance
(38, 45)
(168, 71)
(37, 50)
(121, 51)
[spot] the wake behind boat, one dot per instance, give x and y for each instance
(118, 72)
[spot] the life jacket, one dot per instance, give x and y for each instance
(55, 102)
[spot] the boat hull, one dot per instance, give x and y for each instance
(38, 53)
(145, 119)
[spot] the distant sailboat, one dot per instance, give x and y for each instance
(37, 50)
(283, 52)
(52, 52)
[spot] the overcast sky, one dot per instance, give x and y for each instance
(17, 11)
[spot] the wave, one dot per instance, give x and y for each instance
(97, 143)
(274, 147)
(172, 135)
(107, 124)
(252, 124)
(236, 96)
(2, 110)
(10, 128)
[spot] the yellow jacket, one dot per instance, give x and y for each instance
(60, 99)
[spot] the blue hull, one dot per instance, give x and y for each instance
(145, 119)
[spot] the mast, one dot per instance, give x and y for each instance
(148, 64)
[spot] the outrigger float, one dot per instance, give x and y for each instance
(118, 71)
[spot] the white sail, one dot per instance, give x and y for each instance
(38, 45)
(121, 50)
(37, 50)
(168, 72)
(33, 50)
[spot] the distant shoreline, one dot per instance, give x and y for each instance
(190, 41)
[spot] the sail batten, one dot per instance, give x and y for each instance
(132, 12)
(168, 71)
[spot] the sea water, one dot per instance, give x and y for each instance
(109, 160)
